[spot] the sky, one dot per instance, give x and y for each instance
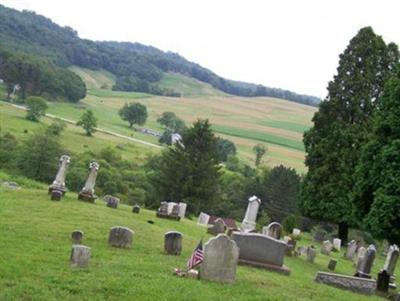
(286, 44)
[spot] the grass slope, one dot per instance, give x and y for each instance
(277, 123)
(35, 247)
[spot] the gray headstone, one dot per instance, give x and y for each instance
(352, 247)
(220, 259)
(175, 210)
(382, 283)
(120, 237)
(57, 189)
(391, 259)
(111, 201)
(80, 256)
(77, 236)
(261, 250)
(182, 209)
(249, 220)
(355, 284)
(311, 254)
(203, 219)
(326, 247)
(171, 207)
(87, 193)
(136, 209)
(360, 257)
(163, 208)
(173, 243)
(273, 230)
(366, 265)
(332, 264)
(218, 227)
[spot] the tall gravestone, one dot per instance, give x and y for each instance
(366, 265)
(391, 259)
(57, 189)
(360, 257)
(249, 221)
(274, 230)
(87, 192)
(173, 243)
(220, 259)
(351, 250)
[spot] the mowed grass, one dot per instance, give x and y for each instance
(13, 120)
(276, 123)
(35, 247)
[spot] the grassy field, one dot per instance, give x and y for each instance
(35, 247)
(13, 120)
(278, 124)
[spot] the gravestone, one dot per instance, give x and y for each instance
(302, 250)
(203, 219)
(120, 237)
(173, 243)
(296, 232)
(182, 209)
(171, 207)
(391, 259)
(220, 259)
(163, 208)
(77, 236)
(169, 210)
(136, 209)
(311, 254)
(355, 284)
(337, 243)
(175, 211)
(57, 189)
(382, 283)
(218, 227)
(249, 221)
(366, 264)
(360, 257)
(273, 230)
(261, 251)
(87, 192)
(111, 201)
(290, 246)
(80, 256)
(332, 264)
(326, 247)
(351, 249)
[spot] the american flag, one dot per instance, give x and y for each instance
(197, 256)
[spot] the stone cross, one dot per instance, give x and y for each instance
(87, 192)
(57, 188)
(80, 256)
(351, 249)
(173, 243)
(273, 230)
(120, 237)
(220, 259)
(249, 221)
(366, 265)
(391, 259)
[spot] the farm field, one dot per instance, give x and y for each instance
(276, 123)
(30, 221)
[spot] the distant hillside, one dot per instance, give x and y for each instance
(136, 67)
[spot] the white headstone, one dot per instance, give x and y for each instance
(249, 221)
(296, 232)
(203, 219)
(182, 209)
(170, 207)
(337, 243)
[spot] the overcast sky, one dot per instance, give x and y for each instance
(287, 43)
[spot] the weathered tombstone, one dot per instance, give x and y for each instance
(391, 259)
(273, 230)
(290, 246)
(171, 207)
(360, 257)
(175, 211)
(351, 249)
(296, 232)
(355, 284)
(173, 243)
(111, 201)
(249, 221)
(136, 209)
(220, 260)
(57, 189)
(218, 227)
(311, 254)
(302, 250)
(182, 209)
(261, 251)
(120, 237)
(80, 256)
(366, 265)
(77, 236)
(87, 192)
(163, 208)
(382, 283)
(326, 247)
(337, 243)
(203, 219)
(332, 264)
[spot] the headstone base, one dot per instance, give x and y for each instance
(362, 275)
(87, 197)
(355, 284)
(271, 267)
(56, 195)
(168, 216)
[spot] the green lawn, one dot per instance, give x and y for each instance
(35, 247)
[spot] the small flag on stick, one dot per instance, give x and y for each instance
(197, 256)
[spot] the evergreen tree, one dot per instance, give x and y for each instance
(88, 122)
(341, 127)
(189, 171)
(377, 192)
